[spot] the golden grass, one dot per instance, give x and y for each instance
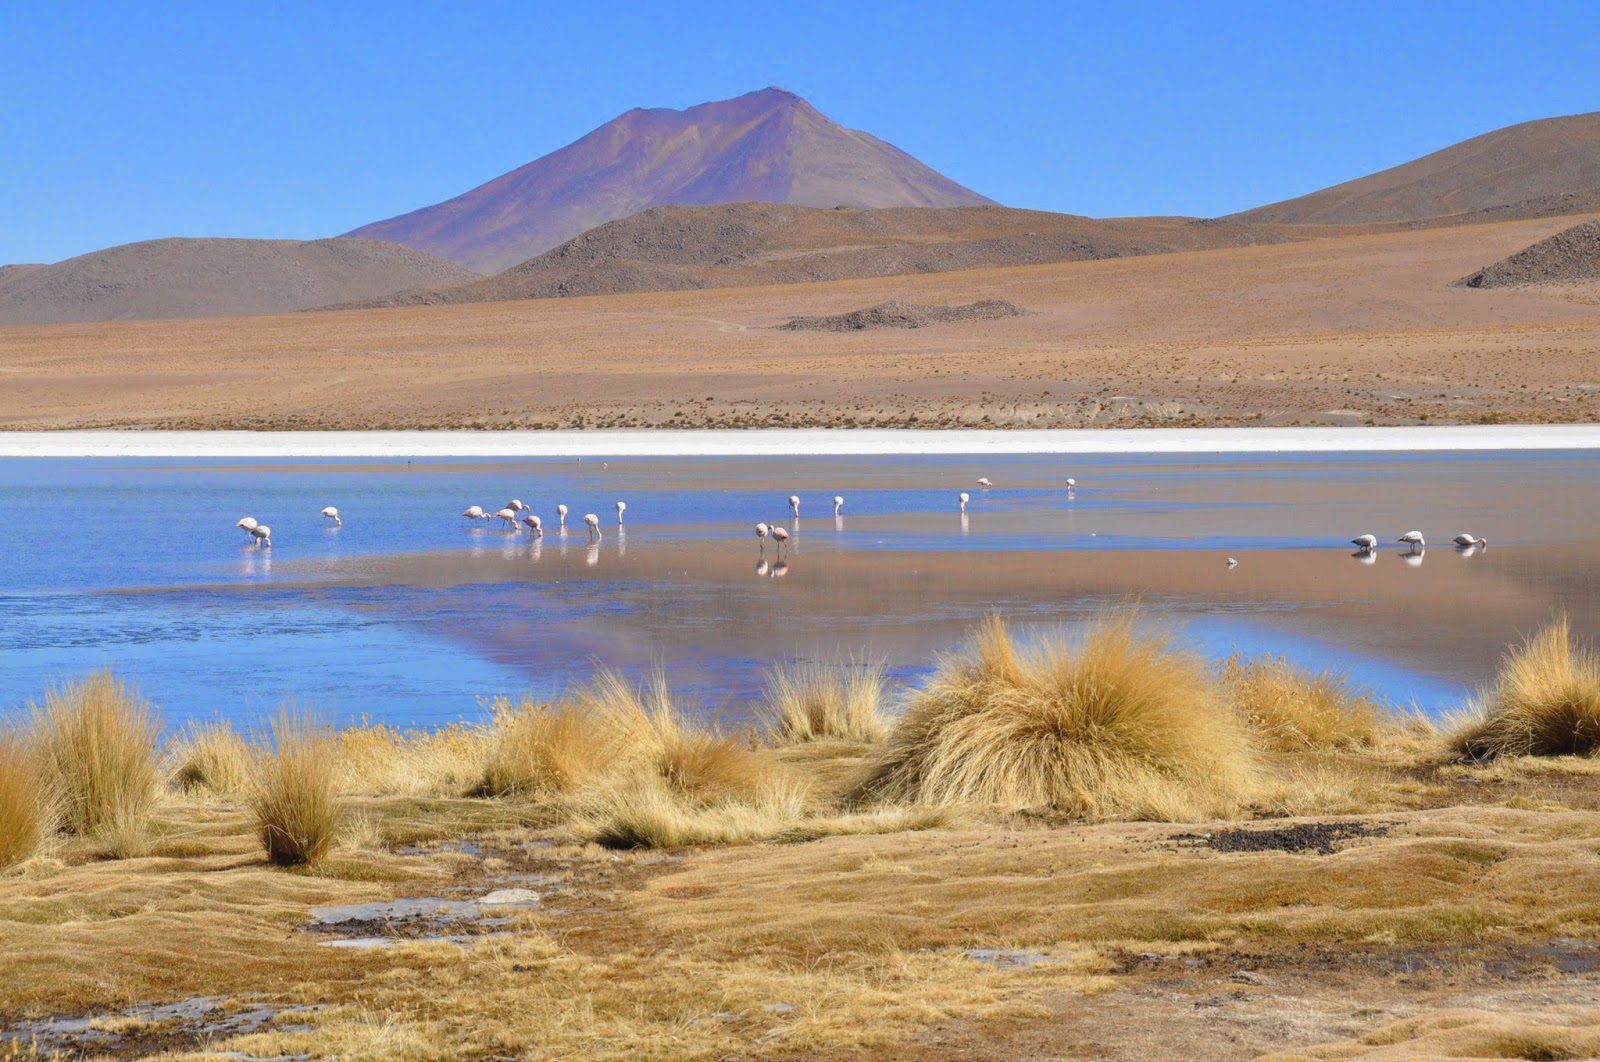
(1115, 724)
(378, 759)
(1545, 701)
(294, 791)
(26, 812)
(95, 743)
(213, 758)
(1291, 710)
(541, 749)
(822, 701)
(1470, 1034)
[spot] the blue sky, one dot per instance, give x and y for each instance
(122, 122)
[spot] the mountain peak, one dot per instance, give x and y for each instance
(769, 145)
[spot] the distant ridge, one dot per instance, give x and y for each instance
(213, 278)
(1520, 164)
(766, 146)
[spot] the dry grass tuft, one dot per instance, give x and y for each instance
(377, 759)
(1545, 702)
(810, 702)
(1115, 724)
(95, 743)
(1291, 710)
(294, 791)
(649, 813)
(26, 810)
(539, 749)
(213, 758)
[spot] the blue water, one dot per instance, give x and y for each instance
(136, 564)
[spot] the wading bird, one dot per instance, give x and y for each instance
(1232, 563)
(1072, 484)
(983, 481)
(475, 512)
(515, 505)
(509, 516)
(838, 503)
(1413, 539)
(593, 523)
(794, 505)
(780, 535)
(1365, 543)
(534, 525)
(263, 535)
(963, 498)
(561, 516)
(330, 513)
(762, 530)
(622, 507)
(1467, 540)
(247, 524)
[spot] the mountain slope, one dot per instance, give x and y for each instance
(767, 146)
(1572, 254)
(675, 248)
(214, 278)
(1530, 161)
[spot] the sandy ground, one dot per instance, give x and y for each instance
(1343, 330)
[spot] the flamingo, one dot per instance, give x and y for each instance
(509, 515)
(247, 524)
(534, 525)
(561, 516)
(838, 503)
(330, 513)
(794, 505)
(762, 530)
(983, 481)
(1232, 563)
(1413, 539)
(263, 535)
(622, 507)
(475, 512)
(593, 523)
(1365, 543)
(515, 505)
(780, 535)
(963, 498)
(1072, 484)
(1467, 540)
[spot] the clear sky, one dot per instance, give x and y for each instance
(121, 122)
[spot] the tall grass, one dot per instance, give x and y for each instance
(1113, 724)
(378, 759)
(816, 701)
(1291, 710)
(1545, 701)
(536, 749)
(213, 758)
(26, 810)
(95, 741)
(294, 791)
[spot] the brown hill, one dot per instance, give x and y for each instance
(213, 278)
(767, 146)
(1572, 254)
(679, 248)
(1552, 157)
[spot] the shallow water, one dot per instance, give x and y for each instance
(412, 615)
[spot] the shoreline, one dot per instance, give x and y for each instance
(807, 442)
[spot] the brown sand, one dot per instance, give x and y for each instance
(1349, 329)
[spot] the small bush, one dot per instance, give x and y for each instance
(809, 702)
(25, 806)
(95, 741)
(1545, 701)
(294, 791)
(1293, 711)
(213, 758)
(1115, 724)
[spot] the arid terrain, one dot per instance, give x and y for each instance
(1364, 328)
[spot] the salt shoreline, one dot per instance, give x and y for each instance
(793, 442)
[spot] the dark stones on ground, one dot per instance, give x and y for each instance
(1318, 837)
(1572, 254)
(896, 314)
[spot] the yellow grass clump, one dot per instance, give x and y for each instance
(95, 743)
(213, 758)
(1291, 710)
(1545, 701)
(380, 760)
(1116, 724)
(294, 791)
(26, 810)
(810, 702)
(538, 749)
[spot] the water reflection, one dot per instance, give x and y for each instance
(1365, 556)
(1414, 558)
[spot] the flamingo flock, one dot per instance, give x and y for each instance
(1467, 544)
